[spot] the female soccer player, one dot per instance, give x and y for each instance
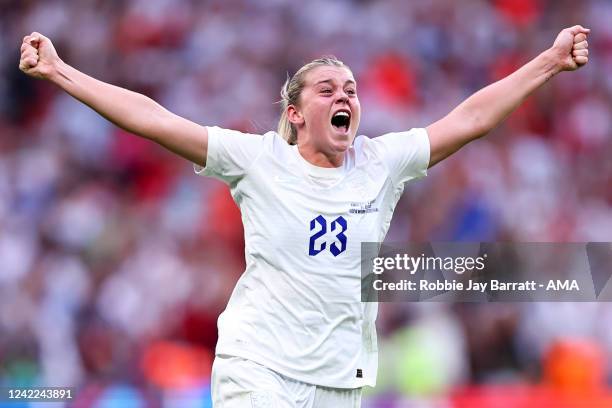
(294, 333)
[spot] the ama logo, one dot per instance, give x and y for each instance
(566, 284)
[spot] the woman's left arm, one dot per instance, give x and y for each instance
(484, 110)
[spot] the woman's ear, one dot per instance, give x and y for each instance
(294, 115)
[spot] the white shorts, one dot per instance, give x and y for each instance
(241, 383)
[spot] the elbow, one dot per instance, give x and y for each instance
(479, 125)
(157, 122)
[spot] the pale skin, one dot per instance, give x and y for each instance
(327, 90)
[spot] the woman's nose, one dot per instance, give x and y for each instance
(342, 97)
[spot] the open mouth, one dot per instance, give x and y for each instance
(341, 120)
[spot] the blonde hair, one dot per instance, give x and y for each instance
(292, 89)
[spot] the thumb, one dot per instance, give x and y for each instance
(577, 29)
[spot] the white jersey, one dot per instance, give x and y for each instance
(297, 308)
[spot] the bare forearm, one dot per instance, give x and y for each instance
(484, 110)
(136, 113)
(129, 110)
(491, 105)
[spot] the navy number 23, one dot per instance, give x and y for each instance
(319, 225)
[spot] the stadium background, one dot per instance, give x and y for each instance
(115, 259)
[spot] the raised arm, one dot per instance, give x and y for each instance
(129, 110)
(484, 110)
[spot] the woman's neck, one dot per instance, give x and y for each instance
(320, 158)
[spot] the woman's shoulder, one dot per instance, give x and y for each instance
(363, 149)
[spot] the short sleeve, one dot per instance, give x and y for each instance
(406, 154)
(230, 154)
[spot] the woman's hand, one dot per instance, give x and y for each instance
(570, 50)
(38, 56)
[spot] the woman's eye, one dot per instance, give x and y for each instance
(351, 92)
(326, 91)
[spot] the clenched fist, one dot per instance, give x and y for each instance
(571, 49)
(38, 56)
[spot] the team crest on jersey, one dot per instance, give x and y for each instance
(364, 207)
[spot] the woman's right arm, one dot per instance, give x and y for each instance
(134, 112)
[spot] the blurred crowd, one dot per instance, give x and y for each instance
(116, 259)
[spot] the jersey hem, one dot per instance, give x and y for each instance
(249, 355)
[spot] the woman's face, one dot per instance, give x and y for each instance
(328, 113)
